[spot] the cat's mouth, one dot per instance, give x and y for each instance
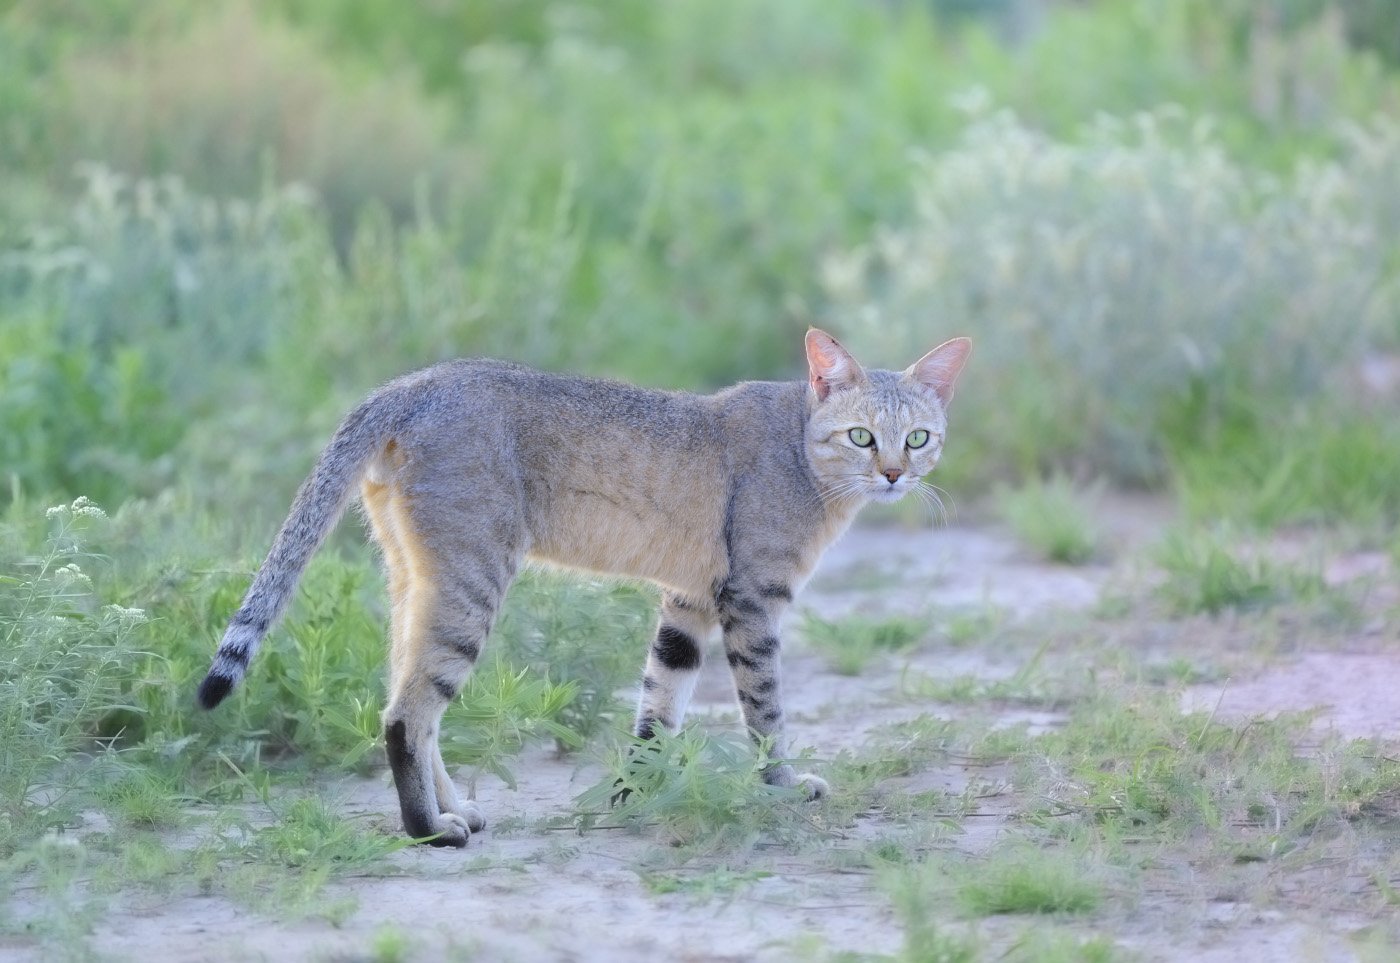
(884, 492)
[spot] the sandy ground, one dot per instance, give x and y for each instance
(523, 893)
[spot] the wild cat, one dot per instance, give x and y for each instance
(727, 501)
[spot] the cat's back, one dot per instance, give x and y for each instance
(528, 398)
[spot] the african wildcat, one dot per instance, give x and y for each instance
(726, 501)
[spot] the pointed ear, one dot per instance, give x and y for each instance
(830, 367)
(939, 369)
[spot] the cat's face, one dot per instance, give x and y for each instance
(874, 434)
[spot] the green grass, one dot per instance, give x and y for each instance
(925, 939)
(144, 798)
(1054, 518)
(1025, 879)
(701, 790)
(850, 643)
(721, 881)
(1324, 466)
(1212, 571)
(392, 945)
(1029, 685)
(1049, 946)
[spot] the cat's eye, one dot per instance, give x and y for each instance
(861, 437)
(917, 438)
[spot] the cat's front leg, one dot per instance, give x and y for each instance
(673, 664)
(752, 646)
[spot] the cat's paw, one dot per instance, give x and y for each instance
(813, 786)
(451, 830)
(472, 815)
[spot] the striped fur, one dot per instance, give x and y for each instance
(468, 468)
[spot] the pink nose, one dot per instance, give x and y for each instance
(892, 474)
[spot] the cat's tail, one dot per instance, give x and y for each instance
(317, 507)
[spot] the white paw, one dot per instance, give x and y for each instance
(814, 786)
(471, 813)
(451, 830)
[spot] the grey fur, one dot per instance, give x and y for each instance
(726, 500)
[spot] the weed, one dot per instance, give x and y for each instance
(145, 799)
(1207, 571)
(1054, 518)
(556, 625)
(1025, 879)
(1324, 466)
(1051, 946)
(308, 834)
(1029, 685)
(502, 712)
(1182, 671)
(850, 643)
(391, 945)
(971, 626)
(700, 789)
(721, 881)
(62, 658)
(925, 940)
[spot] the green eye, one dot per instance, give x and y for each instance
(917, 439)
(862, 437)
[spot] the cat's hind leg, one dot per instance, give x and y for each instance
(673, 664)
(458, 574)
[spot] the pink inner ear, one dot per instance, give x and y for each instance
(829, 364)
(939, 369)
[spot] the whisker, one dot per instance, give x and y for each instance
(929, 495)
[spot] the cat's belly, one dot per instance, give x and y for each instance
(604, 532)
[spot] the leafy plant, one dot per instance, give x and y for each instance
(502, 712)
(701, 789)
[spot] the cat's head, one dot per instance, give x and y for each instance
(875, 434)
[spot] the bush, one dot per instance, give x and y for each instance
(62, 658)
(1128, 292)
(232, 101)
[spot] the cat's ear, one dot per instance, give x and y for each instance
(939, 369)
(830, 367)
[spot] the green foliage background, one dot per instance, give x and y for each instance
(1172, 228)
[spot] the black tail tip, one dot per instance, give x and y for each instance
(213, 690)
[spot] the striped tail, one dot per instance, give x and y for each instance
(318, 506)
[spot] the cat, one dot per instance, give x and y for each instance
(727, 501)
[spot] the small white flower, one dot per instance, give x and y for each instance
(71, 573)
(125, 615)
(84, 507)
(56, 511)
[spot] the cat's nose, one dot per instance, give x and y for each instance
(892, 474)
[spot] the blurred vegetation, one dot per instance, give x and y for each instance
(217, 215)
(1173, 230)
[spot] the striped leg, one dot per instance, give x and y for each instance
(752, 646)
(673, 665)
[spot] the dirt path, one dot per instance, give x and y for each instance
(522, 893)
